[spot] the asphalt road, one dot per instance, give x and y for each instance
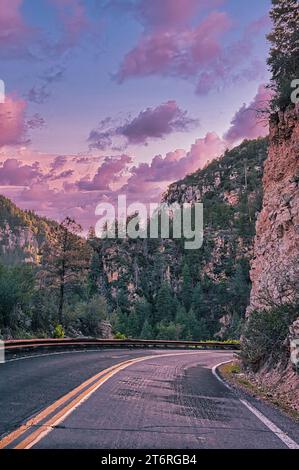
(169, 402)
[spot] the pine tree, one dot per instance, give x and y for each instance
(186, 287)
(65, 260)
(284, 53)
(147, 331)
(120, 322)
(197, 300)
(181, 319)
(165, 303)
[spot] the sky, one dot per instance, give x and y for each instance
(110, 97)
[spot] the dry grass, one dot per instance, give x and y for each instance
(233, 373)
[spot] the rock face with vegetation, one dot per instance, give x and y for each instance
(22, 233)
(157, 288)
(275, 267)
(273, 314)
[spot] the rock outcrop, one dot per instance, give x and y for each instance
(22, 234)
(274, 269)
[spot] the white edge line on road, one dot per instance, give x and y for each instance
(269, 424)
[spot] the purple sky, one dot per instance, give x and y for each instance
(108, 97)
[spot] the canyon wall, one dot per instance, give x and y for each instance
(274, 268)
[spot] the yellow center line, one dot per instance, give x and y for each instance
(97, 381)
(50, 409)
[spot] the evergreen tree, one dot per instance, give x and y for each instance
(165, 303)
(65, 261)
(284, 53)
(143, 312)
(120, 322)
(122, 300)
(186, 287)
(203, 332)
(147, 331)
(182, 320)
(168, 330)
(133, 325)
(16, 288)
(197, 300)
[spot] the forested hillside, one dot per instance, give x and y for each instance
(157, 288)
(22, 233)
(54, 281)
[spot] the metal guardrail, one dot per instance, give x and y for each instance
(23, 345)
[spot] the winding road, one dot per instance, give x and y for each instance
(132, 399)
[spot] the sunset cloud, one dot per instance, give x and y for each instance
(73, 18)
(148, 181)
(152, 123)
(14, 33)
(176, 49)
(180, 53)
(249, 122)
(12, 121)
(111, 171)
(15, 173)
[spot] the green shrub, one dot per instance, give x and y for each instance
(58, 332)
(88, 315)
(119, 335)
(264, 336)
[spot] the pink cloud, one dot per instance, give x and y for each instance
(74, 20)
(58, 162)
(152, 123)
(12, 121)
(14, 173)
(55, 191)
(168, 12)
(13, 31)
(179, 53)
(235, 62)
(202, 53)
(157, 14)
(248, 123)
(110, 172)
(148, 181)
(157, 123)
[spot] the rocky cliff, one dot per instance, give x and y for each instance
(22, 233)
(275, 267)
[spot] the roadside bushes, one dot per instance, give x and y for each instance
(58, 332)
(16, 288)
(264, 336)
(85, 316)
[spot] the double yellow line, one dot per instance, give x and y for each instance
(43, 423)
